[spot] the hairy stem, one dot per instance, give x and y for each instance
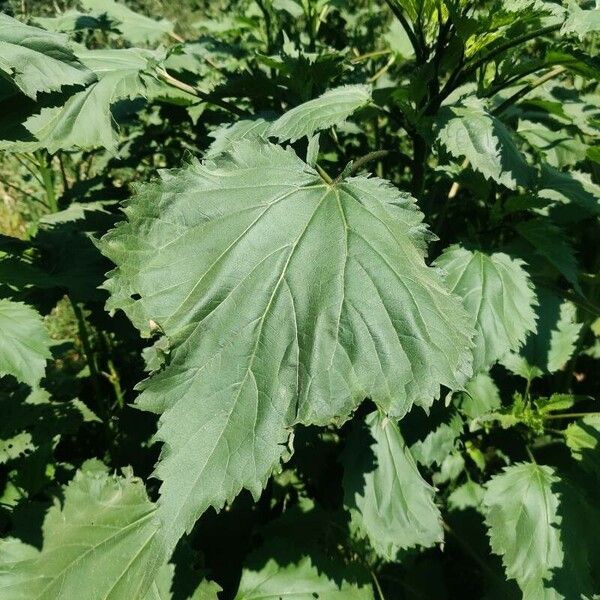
(48, 182)
(228, 106)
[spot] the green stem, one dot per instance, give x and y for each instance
(367, 158)
(527, 88)
(20, 190)
(48, 182)
(377, 585)
(115, 381)
(167, 78)
(575, 415)
(419, 164)
(324, 174)
(494, 52)
(409, 31)
(87, 346)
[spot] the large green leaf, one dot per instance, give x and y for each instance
(102, 544)
(37, 60)
(468, 130)
(85, 120)
(498, 296)
(296, 581)
(137, 28)
(521, 512)
(389, 502)
(24, 342)
(286, 300)
(332, 108)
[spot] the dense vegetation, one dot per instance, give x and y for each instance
(299, 299)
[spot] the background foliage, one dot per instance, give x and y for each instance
(299, 298)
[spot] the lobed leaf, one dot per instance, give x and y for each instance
(468, 130)
(285, 300)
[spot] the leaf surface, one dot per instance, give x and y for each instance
(389, 501)
(38, 60)
(296, 581)
(102, 544)
(85, 120)
(498, 296)
(24, 342)
(468, 130)
(285, 300)
(137, 28)
(331, 108)
(521, 513)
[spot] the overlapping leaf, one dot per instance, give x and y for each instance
(286, 300)
(389, 502)
(137, 28)
(37, 60)
(498, 296)
(24, 342)
(85, 120)
(102, 544)
(521, 512)
(468, 130)
(332, 108)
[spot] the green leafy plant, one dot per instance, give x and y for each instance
(299, 298)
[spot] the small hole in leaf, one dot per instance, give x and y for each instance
(136, 297)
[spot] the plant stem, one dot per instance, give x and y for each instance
(368, 55)
(419, 163)
(228, 106)
(528, 88)
(409, 32)
(115, 380)
(521, 39)
(20, 190)
(575, 415)
(367, 158)
(48, 181)
(324, 175)
(377, 585)
(87, 346)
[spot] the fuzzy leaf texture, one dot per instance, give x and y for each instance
(498, 296)
(102, 544)
(468, 130)
(137, 28)
(296, 581)
(85, 120)
(389, 501)
(331, 108)
(37, 60)
(286, 300)
(520, 510)
(24, 342)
